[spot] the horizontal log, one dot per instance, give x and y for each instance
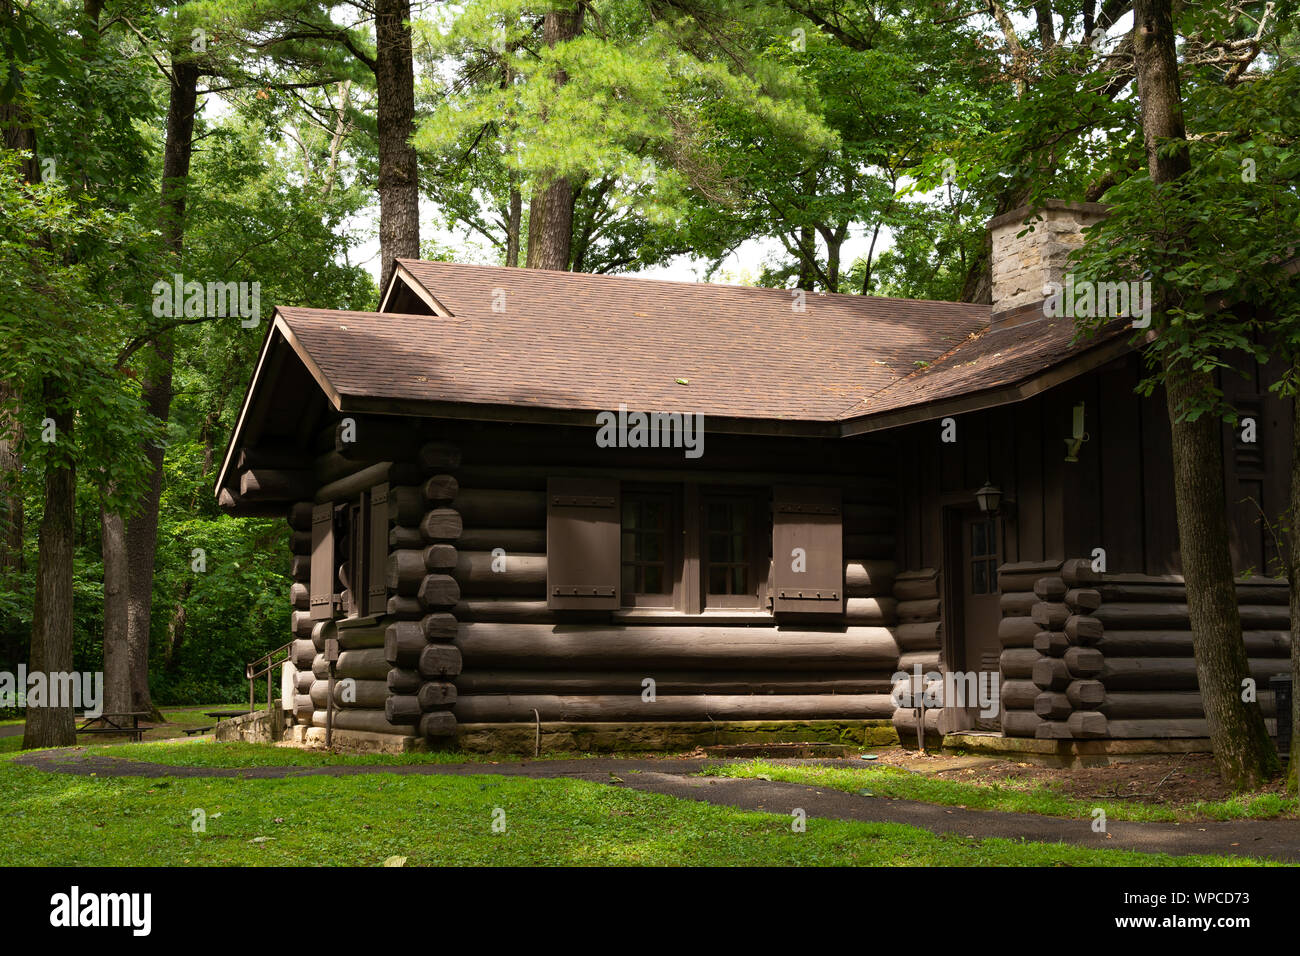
(917, 585)
(302, 652)
(509, 575)
(356, 638)
(1017, 631)
(299, 516)
(406, 504)
(1083, 600)
(1023, 575)
(299, 596)
(402, 680)
(365, 694)
(869, 578)
(1078, 572)
(370, 721)
(1052, 705)
(492, 708)
(1019, 694)
(403, 536)
(926, 661)
(1084, 662)
(437, 695)
(403, 643)
(1017, 603)
(440, 489)
(1020, 723)
(670, 682)
(500, 508)
(439, 626)
(300, 568)
(366, 664)
(1118, 643)
(703, 646)
(303, 707)
(1017, 663)
(868, 547)
(405, 571)
(441, 524)
(1083, 629)
(918, 637)
(439, 661)
(1050, 589)
(1051, 673)
(1117, 592)
(438, 724)
(512, 540)
(1053, 730)
(1174, 616)
(402, 709)
(502, 610)
(1171, 673)
(300, 542)
(1050, 615)
(267, 484)
(404, 608)
(300, 623)
(438, 456)
(1051, 643)
(438, 591)
(303, 681)
(319, 668)
(440, 558)
(871, 612)
(1086, 694)
(1162, 729)
(905, 720)
(1147, 705)
(913, 611)
(366, 478)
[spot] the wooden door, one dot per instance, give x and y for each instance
(980, 607)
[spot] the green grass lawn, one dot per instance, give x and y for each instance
(56, 819)
(1020, 798)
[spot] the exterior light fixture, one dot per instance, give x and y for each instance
(988, 498)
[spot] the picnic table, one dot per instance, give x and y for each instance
(225, 714)
(125, 722)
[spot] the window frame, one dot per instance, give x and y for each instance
(757, 506)
(674, 551)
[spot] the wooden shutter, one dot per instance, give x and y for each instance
(377, 565)
(582, 544)
(812, 519)
(322, 561)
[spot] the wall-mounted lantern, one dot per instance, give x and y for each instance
(988, 498)
(1078, 437)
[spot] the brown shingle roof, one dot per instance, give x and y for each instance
(576, 341)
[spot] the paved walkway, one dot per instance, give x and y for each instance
(1268, 839)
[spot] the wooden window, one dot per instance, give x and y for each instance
(582, 544)
(731, 566)
(649, 559)
(807, 550)
(984, 557)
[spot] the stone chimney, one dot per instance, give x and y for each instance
(1022, 265)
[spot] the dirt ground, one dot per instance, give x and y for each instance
(1169, 780)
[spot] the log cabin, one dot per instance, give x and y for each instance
(621, 512)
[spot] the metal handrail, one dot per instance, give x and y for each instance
(267, 662)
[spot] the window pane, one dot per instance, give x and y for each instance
(739, 580)
(654, 579)
(629, 546)
(717, 580)
(977, 539)
(979, 579)
(652, 547)
(629, 579)
(629, 513)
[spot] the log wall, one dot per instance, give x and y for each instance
(1031, 627)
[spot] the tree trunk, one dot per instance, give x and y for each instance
(550, 214)
(1293, 573)
(156, 385)
(399, 174)
(11, 492)
(118, 666)
(514, 221)
(1243, 751)
(51, 651)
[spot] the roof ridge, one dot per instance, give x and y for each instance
(973, 306)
